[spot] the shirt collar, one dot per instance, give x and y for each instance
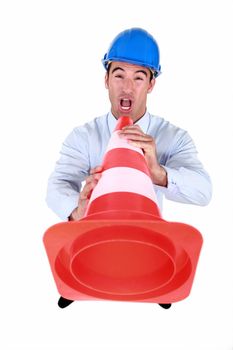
(143, 122)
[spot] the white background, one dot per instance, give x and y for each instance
(51, 80)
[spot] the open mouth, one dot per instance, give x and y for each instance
(125, 104)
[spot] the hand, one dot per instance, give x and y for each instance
(91, 182)
(137, 138)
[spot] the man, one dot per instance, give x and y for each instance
(132, 66)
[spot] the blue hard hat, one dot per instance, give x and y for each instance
(135, 46)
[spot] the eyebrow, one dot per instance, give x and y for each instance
(137, 71)
(142, 71)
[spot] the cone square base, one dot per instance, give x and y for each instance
(126, 260)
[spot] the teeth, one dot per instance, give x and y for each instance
(125, 104)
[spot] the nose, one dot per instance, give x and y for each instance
(127, 86)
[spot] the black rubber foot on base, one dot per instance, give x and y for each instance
(165, 306)
(62, 302)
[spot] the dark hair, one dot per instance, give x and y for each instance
(108, 69)
(109, 66)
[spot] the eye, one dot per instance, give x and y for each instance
(138, 78)
(120, 76)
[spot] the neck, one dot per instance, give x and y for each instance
(134, 119)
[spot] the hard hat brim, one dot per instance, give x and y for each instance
(156, 72)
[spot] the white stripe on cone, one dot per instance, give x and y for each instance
(124, 179)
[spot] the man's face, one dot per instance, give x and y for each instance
(128, 86)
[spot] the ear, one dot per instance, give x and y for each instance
(151, 85)
(106, 80)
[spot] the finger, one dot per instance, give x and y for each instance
(131, 134)
(137, 137)
(93, 177)
(97, 169)
(145, 145)
(131, 130)
(87, 189)
(135, 126)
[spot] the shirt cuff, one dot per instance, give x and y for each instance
(173, 179)
(64, 206)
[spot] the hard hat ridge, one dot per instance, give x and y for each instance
(135, 46)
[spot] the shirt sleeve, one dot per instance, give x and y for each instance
(188, 181)
(71, 169)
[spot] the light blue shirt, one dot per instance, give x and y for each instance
(85, 147)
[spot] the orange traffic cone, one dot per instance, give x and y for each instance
(122, 249)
